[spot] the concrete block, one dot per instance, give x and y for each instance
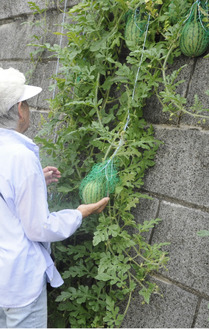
(202, 320)
(50, 4)
(18, 34)
(5, 9)
(14, 39)
(198, 86)
(174, 310)
(199, 81)
(189, 263)
(42, 77)
(45, 29)
(182, 165)
(153, 112)
(146, 209)
(11, 8)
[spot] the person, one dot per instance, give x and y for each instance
(26, 226)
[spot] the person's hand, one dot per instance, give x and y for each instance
(93, 208)
(51, 174)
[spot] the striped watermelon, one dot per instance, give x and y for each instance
(93, 191)
(134, 29)
(194, 40)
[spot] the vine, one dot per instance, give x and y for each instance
(109, 257)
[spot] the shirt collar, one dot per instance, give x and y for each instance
(12, 136)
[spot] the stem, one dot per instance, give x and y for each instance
(166, 60)
(141, 256)
(195, 13)
(109, 148)
(106, 99)
(129, 273)
(129, 297)
(95, 99)
(139, 282)
(78, 172)
(121, 134)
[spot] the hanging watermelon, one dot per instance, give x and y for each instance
(135, 27)
(100, 182)
(194, 39)
(94, 191)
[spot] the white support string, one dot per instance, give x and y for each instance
(58, 61)
(196, 2)
(133, 94)
(136, 79)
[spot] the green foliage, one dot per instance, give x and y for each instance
(39, 38)
(109, 257)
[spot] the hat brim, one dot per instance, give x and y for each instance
(29, 92)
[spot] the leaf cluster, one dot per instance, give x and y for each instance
(102, 87)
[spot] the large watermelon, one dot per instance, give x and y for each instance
(94, 191)
(194, 39)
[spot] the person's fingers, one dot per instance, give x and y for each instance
(52, 169)
(50, 177)
(102, 204)
(93, 208)
(48, 174)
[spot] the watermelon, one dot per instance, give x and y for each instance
(134, 29)
(194, 40)
(93, 191)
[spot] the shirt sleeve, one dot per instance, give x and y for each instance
(32, 210)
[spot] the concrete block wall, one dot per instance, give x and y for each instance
(178, 184)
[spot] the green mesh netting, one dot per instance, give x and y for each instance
(99, 183)
(136, 23)
(194, 39)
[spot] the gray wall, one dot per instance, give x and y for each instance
(16, 33)
(178, 183)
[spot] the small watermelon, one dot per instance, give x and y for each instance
(93, 191)
(134, 29)
(194, 40)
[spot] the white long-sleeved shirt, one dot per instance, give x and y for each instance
(25, 221)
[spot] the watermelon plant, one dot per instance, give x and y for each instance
(110, 256)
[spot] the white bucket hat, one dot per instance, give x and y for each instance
(13, 89)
